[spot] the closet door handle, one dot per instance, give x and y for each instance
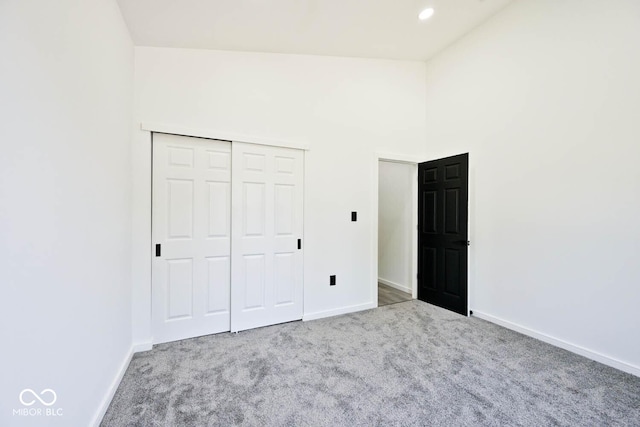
(299, 244)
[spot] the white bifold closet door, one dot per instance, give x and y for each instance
(266, 268)
(192, 224)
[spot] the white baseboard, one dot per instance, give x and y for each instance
(395, 285)
(338, 311)
(589, 354)
(142, 346)
(102, 409)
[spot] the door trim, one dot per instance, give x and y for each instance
(471, 220)
(220, 135)
(409, 160)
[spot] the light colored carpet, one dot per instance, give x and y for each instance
(407, 364)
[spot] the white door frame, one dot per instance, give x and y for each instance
(142, 244)
(471, 258)
(404, 159)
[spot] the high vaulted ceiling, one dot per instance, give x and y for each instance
(358, 28)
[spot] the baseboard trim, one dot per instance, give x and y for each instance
(338, 311)
(589, 354)
(394, 285)
(106, 401)
(142, 346)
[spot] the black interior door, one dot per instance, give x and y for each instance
(442, 232)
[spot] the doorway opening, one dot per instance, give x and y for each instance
(397, 213)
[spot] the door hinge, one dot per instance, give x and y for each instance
(299, 243)
(158, 249)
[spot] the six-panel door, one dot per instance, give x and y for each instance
(192, 224)
(267, 189)
(200, 286)
(442, 236)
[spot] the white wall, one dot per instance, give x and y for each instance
(395, 224)
(343, 109)
(66, 85)
(546, 98)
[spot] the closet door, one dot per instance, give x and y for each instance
(266, 268)
(191, 234)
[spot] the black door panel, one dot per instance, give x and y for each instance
(442, 236)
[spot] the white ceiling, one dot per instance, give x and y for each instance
(359, 28)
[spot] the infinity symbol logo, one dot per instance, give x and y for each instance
(34, 394)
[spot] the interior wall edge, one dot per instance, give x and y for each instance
(557, 342)
(140, 347)
(141, 237)
(113, 387)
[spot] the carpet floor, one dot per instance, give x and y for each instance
(407, 364)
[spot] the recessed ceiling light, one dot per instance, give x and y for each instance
(426, 14)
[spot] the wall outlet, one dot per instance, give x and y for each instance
(332, 280)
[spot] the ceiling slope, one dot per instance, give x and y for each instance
(355, 28)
